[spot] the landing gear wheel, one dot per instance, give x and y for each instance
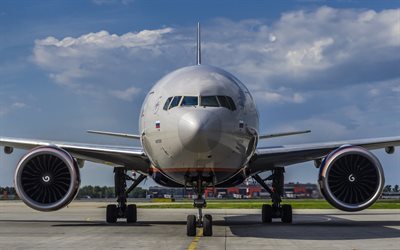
(131, 213)
(266, 213)
(286, 214)
(191, 225)
(207, 225)
(112, 213)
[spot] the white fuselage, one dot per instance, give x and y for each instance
(205, 137)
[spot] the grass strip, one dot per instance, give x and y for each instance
(296, 204)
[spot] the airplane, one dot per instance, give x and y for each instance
(199, 128)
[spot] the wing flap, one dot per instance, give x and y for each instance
(283, 134)
(123, 135)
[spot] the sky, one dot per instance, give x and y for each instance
(329, 66)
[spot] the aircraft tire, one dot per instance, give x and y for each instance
(191, 225)
(207, 225)
(111, 213)
(266, 214)
(286, 214)
(131, 213)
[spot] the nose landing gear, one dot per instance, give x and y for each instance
(202, 221)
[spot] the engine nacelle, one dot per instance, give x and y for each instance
(47, 178)
(351, 178)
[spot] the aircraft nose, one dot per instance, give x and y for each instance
(199, 131)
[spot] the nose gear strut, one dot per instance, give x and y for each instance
(204, 221)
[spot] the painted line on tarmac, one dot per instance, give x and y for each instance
(195, 241)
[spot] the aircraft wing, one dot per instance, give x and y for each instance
(130, 157)
(267, 158)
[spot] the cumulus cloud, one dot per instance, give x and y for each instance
(96, 62)
(285, 61)
(279, 97)
(125, 95)
(322, 48)
(144, 39)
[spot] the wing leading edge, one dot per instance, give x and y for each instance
(131, 157)
(267, 158)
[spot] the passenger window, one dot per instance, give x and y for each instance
(231, 103)
(167, 103)
(190, 101)
(175, 101)
(224, 103)
(209, 101)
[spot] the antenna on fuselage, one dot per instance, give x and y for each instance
(198, 44)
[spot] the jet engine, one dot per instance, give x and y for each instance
(47, 178)
(351, 178)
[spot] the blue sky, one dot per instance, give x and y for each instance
(329, 66)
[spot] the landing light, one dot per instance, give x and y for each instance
(390, 150)
(8, 150)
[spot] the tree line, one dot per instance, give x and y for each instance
(105, 192)
(91, 192)
(108, 192)
(389, 188)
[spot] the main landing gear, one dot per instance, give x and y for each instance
(201, 221)
(276, 210)
(122, 210)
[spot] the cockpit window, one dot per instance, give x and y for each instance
(224, 103)
(205, 101)
(209, 101)
(231, 103)
(190, 101)
(175, 101)
(167, 103)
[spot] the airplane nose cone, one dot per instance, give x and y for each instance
(199, 131)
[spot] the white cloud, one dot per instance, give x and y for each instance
(125, 95)
(94, 63)
(105, 40)
(270, 96)
(303, 52)
(310, 49)
(279, 97)
(310, 57)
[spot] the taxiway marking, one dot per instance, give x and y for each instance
(195, 241)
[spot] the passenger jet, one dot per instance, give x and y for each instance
(199, 128)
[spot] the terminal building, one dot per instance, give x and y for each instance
(243, 191)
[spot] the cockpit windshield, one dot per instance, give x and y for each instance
(209, 101)
(175, 101)
(205, 101)
(190, 101)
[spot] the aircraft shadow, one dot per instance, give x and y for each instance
(304, 227)
(119, 224)
(312, 227)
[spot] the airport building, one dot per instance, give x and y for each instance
(292, 190)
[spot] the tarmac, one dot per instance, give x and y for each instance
(82, 225)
